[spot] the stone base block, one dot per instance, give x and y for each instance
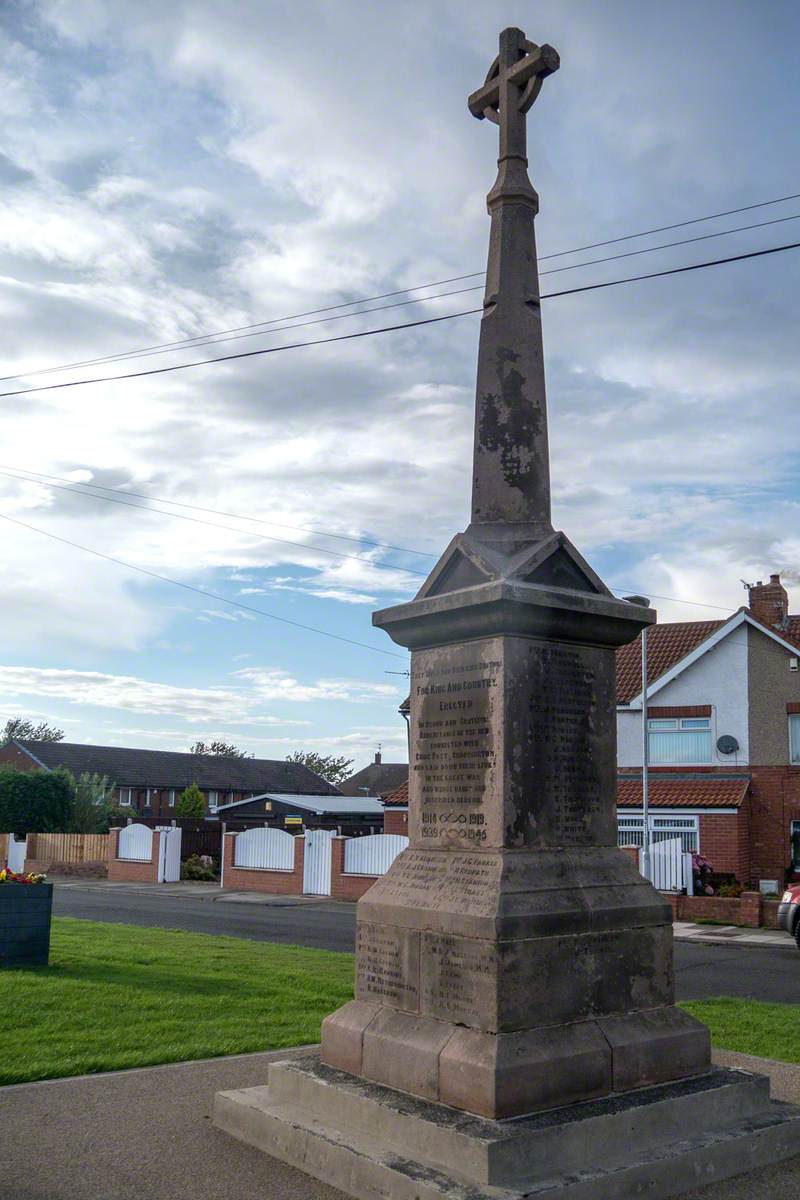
(373, 1142)
(512, 1074)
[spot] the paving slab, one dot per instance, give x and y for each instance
(724, 935)
(147, 1133)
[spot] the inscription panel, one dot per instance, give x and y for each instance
(561, 745)
(387, 966)
(459, 979)
(466, 883)
(456, 707)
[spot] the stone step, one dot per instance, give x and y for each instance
(361, 1166)
(500, 1152)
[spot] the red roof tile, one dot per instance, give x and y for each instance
(398, 796)
(666, 646)
(683, 791)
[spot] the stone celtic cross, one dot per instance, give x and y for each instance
(514, 81)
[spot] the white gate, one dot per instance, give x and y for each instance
(264, 850)
(169, 856)
(317, 862)
(136, 843)
(16, 853)
(374, 854)
(667, 865)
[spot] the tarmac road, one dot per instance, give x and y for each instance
(701, 969)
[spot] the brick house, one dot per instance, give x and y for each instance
(151, 781)
(395, 810)
(376, 779)
(723, 736)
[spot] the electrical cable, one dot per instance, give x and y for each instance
(132, 355)
(208, 595)
(322, 533)
(345, 337)
(6, 468)
(219, 335)
(73, 490)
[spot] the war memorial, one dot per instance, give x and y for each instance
(513, 1031)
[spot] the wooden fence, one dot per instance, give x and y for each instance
(68, 847)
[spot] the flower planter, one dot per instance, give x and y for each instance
(25, 912)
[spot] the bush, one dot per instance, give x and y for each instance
(195, 868)
(191, 803)
(730, 891)
(34, 801)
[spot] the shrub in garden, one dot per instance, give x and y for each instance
(191, 803)
(34, 801)
(196, 868)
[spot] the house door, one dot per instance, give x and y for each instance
(317, 862)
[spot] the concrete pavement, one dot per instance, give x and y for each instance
(147, 1133)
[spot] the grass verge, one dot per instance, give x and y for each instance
(119, 996)
(751, 1026)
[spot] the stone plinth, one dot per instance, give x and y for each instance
(374, 1143)
(513, 959)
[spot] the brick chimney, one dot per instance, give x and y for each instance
(769, 602)
(377, 758)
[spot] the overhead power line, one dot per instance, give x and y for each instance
(74, 491)
(257, 329)
(346, 337)
(6, 468)
(321, 532)
(188, 587)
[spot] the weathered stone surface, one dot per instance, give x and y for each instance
(524, 1072)
(402, 1051)
(387, 965)
(373, 1142)
(343, 1033)
(649, 1047)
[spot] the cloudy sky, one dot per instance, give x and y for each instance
(172, 169)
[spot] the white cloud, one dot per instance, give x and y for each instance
(274, 684)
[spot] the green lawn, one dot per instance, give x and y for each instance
(751, 1026)
(121, 996)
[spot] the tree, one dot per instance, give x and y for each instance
(191, 802)
(34, 801)
(328, 766)
(94, 808)
(218, 749)
(21, 729)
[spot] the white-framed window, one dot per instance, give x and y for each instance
(126, 796)
(630, 830)
(171, 797)
(794, 739)
(213, 801)
(677, 740)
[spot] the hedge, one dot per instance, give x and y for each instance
(34, 801)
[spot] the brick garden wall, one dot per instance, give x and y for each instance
(347, 887)
(251, 879)
(122, 870)
(750, 909)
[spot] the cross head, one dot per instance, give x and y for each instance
(514, 81)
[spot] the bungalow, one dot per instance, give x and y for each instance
(150, 781)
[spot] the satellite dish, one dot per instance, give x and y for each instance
(727, 744)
